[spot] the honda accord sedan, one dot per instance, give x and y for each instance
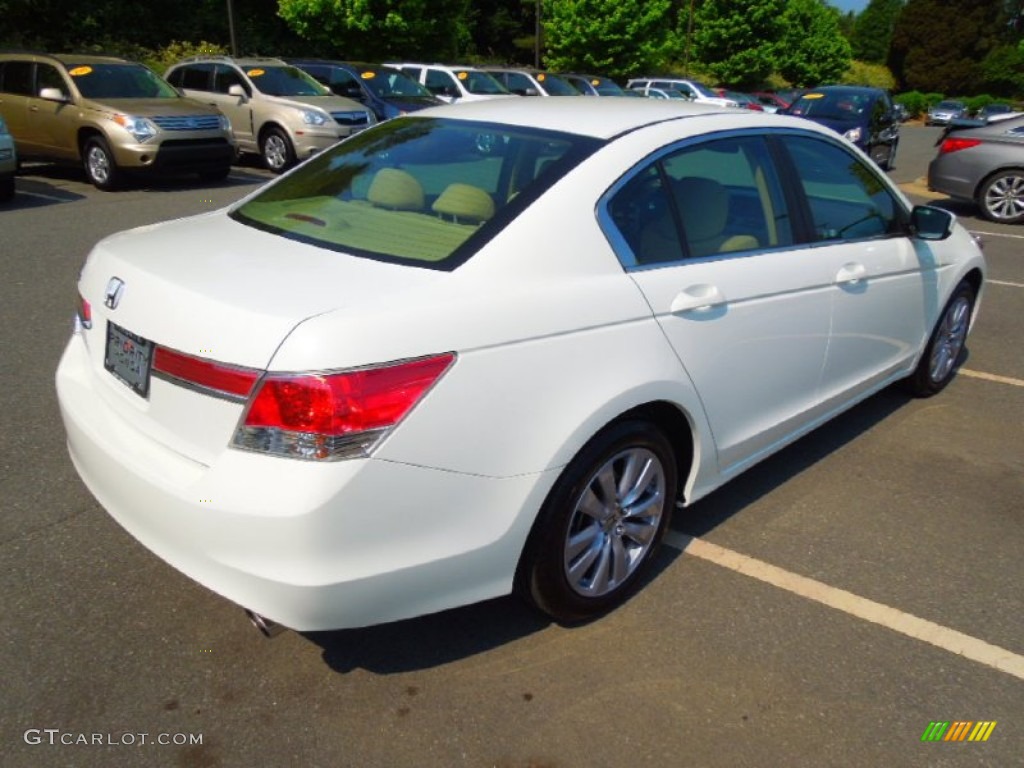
(491, 348)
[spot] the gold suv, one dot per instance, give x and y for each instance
(112, 116)
(276, 110)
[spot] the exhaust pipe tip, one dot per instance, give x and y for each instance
(269, 629)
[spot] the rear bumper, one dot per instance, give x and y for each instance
(310, 546)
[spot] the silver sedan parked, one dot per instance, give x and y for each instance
(984, 165)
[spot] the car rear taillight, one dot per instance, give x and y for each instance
(83, 315)
(331, 416)
(955, 145)
(207, 376)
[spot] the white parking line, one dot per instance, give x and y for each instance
(1003, 282)
(991, 377)
(906, 624)
(997, 234)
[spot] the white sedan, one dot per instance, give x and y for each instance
(490, 347)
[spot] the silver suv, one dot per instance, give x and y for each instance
(111, 115)
(276, 110)
(693, 90)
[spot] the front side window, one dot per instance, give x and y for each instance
(47, 76)
(225, 76)
(714, 197)
(846, 198)
(441, 83)
(119, 81)
(16, 77)
(422, 191)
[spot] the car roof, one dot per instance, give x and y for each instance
(845, 89)
(598, 118)
(70, 58)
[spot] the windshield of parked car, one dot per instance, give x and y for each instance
(427, 192)
(844, 106)
(556, 86)
(483, 83)
(390, 83)
(606, 87)
(284, 81)
(949, 105)
(119, 81)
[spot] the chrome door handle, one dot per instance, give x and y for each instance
(852, 272)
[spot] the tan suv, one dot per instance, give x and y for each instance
(111, 115)
(275, 109)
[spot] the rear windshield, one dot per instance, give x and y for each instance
(284, 81)
(427, 192)
(119, 81)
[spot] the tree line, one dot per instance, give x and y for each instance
(945, 46)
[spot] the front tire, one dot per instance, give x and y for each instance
(6, 188)
(100, 166)
(1001, 197)
(601, 523)
(946, 346)
(277, 151)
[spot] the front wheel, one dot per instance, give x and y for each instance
(100, 166)
(276, 149)
(601, 523)
(946, 346)
(1001, 197)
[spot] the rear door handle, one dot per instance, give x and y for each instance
(697, 298)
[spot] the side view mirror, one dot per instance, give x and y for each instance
(237, 90)
(53, 94)
(930, 223)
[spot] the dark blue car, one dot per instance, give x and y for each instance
(864, 116)
(387, 91)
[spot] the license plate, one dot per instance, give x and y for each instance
(129, 358)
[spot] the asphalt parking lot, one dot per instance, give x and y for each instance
(822, 610)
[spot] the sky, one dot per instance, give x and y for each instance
(849, 5)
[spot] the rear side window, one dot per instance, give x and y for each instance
(427, 192)
(846, 198)
(714, 197)
(16, 77)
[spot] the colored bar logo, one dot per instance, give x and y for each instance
(959, 730)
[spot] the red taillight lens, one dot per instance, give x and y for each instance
(84, 312)
(207, 375)
(955, 145)
(338, 415)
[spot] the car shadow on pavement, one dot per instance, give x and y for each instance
(441, 638)
(734, 497)
(37, 193)
(58, 175)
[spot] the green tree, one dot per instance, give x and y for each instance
(873, 30)
(382, 29)
(939, 45)
(735, 39)
(611, 37)
(1002, 71)
(812, 50)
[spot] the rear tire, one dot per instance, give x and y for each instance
(100, 166)
(1001, 197)
(601, 523)
(946, 346)
(6, 188)
(277, 151)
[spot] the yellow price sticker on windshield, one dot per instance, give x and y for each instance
(462, 75)
(540, 77)
(813, 96)
(255, 72)
(368, 75)
(79, 71)
(595, 82)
